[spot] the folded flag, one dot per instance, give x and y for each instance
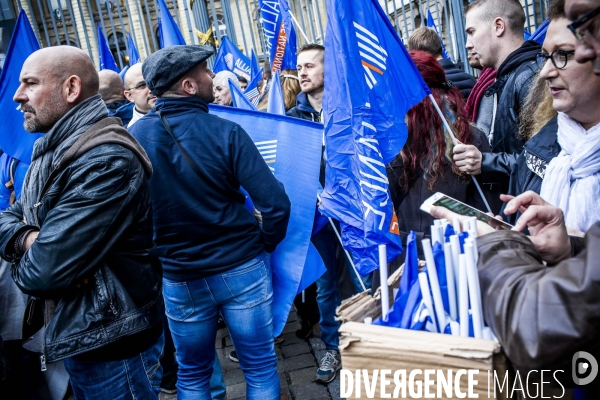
(238, 98)
(107, 61)
(230, 58)
(280, 35)
(169, 33)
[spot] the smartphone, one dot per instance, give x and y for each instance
(441, 200)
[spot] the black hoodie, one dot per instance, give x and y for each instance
(513, 81)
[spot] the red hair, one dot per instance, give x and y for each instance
(428, 147)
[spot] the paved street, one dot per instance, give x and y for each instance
(297, 367)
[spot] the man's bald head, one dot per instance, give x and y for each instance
(53, 81)
(133, 73)
(111, 86)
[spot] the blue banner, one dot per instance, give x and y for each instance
(107, 61)
(14, 139)
(280, 34)
(370, 84)
(169, 33)
(431, 24)
(230, 58)
(297, 167)
(134, 55)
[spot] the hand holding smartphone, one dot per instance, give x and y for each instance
(441, 200)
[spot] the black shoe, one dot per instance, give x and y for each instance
(233, 357)
(306, 329)
(169, 385)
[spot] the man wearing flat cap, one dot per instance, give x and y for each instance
(214, 253)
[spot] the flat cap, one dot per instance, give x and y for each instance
(164, 68)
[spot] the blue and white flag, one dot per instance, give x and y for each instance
(540, 33)
(14, 139)
(251, 92)
(107, 61)
(238, 98)
(169, 33)
(276, 103)
(230, 58)
(370, 84)
(431, 24)
(134, 55)
(280, 34)
(297, 167)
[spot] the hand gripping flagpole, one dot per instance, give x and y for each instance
(455, 141)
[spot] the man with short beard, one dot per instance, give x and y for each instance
(80, 237)
(213, 251)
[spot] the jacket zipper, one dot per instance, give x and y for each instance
(110, 300)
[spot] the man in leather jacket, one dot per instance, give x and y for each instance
(80, 236)
(495, 37)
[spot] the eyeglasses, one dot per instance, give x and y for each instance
(140, 85)
(559, 58)
(579, 22)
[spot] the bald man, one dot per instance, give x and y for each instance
(111, 89)
(80, 236)
(137, 92)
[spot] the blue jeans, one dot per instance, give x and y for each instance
(137, 377)
(244, 297)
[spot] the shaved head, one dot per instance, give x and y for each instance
(53, 81)
(111, 86)
(132, 75)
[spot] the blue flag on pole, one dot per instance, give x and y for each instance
(280, 34)
(540, 33)
(276, 103)
(251, 92)
(370, 84)
(169, 33)
(238, 98)
(134, 55)
(230, 58)
(107, 61)
(14, 139)
(431, 24)
(255, 68)
(297, 167)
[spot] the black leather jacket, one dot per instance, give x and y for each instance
(96, 224)
(512, 85)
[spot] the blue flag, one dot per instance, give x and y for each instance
(370, 84)
(297, 167)
(526, 34)
(540, 33)
(123, 72)
(169, 33)
(107, 61)
(251, 92)
(314, 267)
(431, 24)
(276, 103)
(134, 55)
(255, 68)
(230, 58)
(280, 34)
(14, 139)
(238, 98)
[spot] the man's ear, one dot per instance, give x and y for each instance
(189, 86)
(72, 88)
(499, 27)
(127, 95)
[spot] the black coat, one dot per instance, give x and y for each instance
(407, 203)
(513, 81)
(530, 167)
(96, 224)
(460, 79)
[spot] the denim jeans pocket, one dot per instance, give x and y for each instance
(249, 285)
(178, 301)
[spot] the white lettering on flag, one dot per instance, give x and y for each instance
(268, 150)
(373, 56)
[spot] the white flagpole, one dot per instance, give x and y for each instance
(455, 141)
(298, 26)
(383, 278)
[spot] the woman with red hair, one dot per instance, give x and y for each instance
(424, 166)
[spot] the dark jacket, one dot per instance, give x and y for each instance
(530, 167)
(513, 80)
(541, 315)
(460, 79)
(303, 109)
(115, 105)
(124, 112)
(408, 203)
(96, 224)
(201, 226)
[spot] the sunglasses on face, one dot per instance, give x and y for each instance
(581, 21)
(140, 85)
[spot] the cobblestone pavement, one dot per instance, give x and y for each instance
(297, 367)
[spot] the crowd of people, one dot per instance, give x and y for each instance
(126, 242)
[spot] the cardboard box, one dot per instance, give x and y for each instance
(372, 347)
